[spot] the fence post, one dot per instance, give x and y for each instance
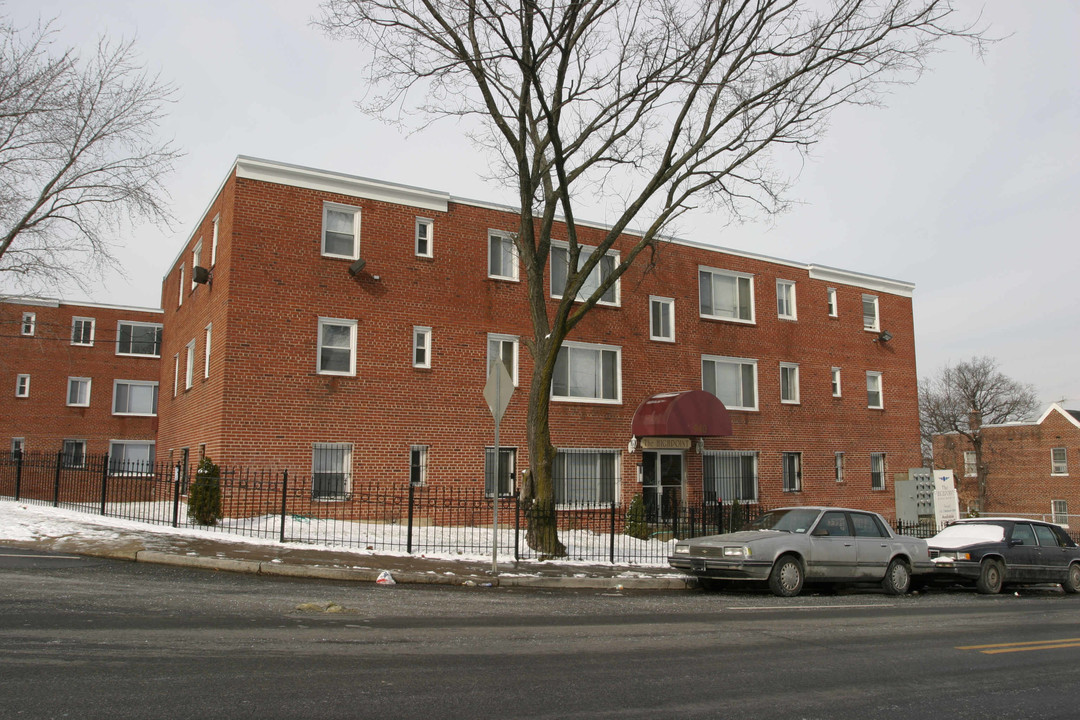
(611, 550)
(176, 498)
(104, 481)
(693, 523)
(284, 501)
(408, 533)
(56, 483)
(517, 528)
(18, 472)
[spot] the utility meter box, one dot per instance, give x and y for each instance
(915, 496)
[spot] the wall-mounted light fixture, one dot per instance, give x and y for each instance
(883, 336)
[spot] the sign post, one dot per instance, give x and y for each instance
(497, 391)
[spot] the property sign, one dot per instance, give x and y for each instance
(665, 443)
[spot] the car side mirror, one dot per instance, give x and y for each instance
(1015, 543)
(820, 532)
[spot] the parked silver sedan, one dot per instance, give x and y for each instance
(792, 546)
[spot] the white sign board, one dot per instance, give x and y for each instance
(498, 389)
(946, 503)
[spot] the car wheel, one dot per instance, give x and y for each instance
(786, 578)
(897, 580)
(991, 576)
(1072, 580)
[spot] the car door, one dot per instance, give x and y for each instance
(872, 544)
(1053, 558)
(833, 555)
(1022, 553)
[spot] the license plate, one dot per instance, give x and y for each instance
(697, 565)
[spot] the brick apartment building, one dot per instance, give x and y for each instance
(343, 328)
(79, 378)
(1032, 467)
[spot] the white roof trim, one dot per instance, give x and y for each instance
(869, 282)
(1064, 413)
(53, 302)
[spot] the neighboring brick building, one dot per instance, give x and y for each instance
(81, 378)
(1032, 467)
(281, 352)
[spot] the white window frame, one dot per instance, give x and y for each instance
(874, 326)
(421, 343)
(737, 277)
(595, 277)
(180, 296)
(503, 237)
(836, 389)
(593, 487)
(495, 345)
(872, 375)
(792, 372)
(189, 368)
(29, 324)
(971, 467)
(877, 475)
(418, 465)
(341, 322)
(830, 302)
(88, 382)
(80, 322)
(22, 385)
(134, 324)
(838, 464)
(1059, 467)
(428, 225)
(796, 482)
(353, 210)
(491, 486)
(712, 461)
(214, 240)
(1059, 512)
(18, 445)
(572, 348)
(124, 467)
(667, 312)
(176, 375)
(347, 463)
(69, 459)
(206, 350)
(786, 309)
(139, 383)
(731, 361)
(196, 253)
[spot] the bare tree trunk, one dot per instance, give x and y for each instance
(542, 534)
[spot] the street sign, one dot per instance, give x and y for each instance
(498, 389)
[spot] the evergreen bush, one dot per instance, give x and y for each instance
(736, 523)
(204, 497)
(636, 526)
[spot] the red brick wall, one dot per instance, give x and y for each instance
(44, 418)
(265, 404)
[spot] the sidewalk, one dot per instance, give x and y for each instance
(46, 528)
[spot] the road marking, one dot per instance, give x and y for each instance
(38, 557)
(810, 607)
(1023, 646)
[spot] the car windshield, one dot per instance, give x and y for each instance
(796, 520)
(967, 533)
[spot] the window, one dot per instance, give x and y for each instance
(726, 295)
(789, 383)
(791, 463)
(135, 397)
(82, 331)
(180, 295)
(78, 393)
(189, 369)
(206, 351)
(341, 231)
(331, 471)
(970, 467)
(560, 273)
(502, 257)
(873, 390)
(662, 319)
(504, 348)
(587, 372)
(838, 460)
(421, 347)
(196, 252)
(74, 453)
(870, 319)
(836, 382)
(1060, 510)
(1046, 536)
(730, 475)
(128, 457)
(867, 526)
(1058, 462)
(214, 241)
(785, 300)
(424, 238)
(585, 477)
(29, 323)
(18, 447)
(22, 386)
(135, 338)
(877, 471)
(418, 464)
(830, 301)
(337, 347)
(507, 465)
(733, 380)
(176, 374)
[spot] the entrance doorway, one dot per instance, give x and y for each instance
(662, 473)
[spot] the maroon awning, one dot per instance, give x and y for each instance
(693, 413)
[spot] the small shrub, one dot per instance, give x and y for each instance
(636, 526)
(737, 520)
(204, 497)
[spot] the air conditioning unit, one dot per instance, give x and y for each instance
(357, 266)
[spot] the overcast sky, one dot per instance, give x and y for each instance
(967, 184)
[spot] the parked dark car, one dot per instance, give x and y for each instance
(992, 552)
(792, 546)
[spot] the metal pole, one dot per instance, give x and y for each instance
(495, 494)
(56, 482)
(104, 481)
(284, 500)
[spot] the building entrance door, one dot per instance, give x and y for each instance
(662, 483)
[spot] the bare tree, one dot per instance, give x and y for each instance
(78, 155)
(962, 398)
(655, 105)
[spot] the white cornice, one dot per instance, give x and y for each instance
(54, 302)
(869, 282)
(1064, 413)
